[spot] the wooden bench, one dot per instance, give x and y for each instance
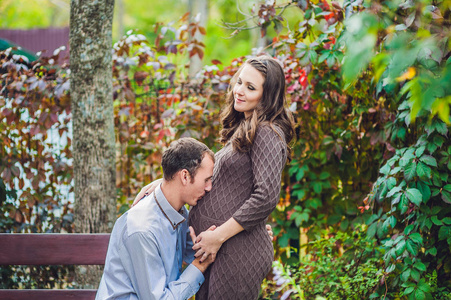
(52, 249)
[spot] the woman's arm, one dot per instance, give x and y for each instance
(147, 190)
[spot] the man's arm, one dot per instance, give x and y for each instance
(148, 274)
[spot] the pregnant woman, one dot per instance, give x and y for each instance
(256, 131)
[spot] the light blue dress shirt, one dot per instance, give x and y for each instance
(145, 254)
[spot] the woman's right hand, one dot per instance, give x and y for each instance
(146, 190)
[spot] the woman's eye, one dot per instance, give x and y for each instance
(251, 88)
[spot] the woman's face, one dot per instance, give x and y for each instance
(248, 90)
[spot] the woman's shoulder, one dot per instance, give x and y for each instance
(269, 134)
(270, 130)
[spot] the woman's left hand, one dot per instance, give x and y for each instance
(207, 243)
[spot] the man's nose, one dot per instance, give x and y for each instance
(208, 187)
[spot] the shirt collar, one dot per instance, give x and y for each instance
(174, 217)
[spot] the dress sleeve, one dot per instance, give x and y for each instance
(150, 277)
(268, 156)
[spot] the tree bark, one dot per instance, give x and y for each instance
(93, 123)
(196, 7)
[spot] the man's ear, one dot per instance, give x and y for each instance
(184, 176)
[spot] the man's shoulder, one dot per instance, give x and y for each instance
(145, 218)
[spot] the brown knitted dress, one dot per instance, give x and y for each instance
(245, 186)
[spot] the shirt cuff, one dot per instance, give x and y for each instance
(194, 277)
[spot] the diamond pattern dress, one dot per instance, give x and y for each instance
(246, 186)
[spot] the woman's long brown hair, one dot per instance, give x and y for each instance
(271, 109)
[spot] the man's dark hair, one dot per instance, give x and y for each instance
(184, 153)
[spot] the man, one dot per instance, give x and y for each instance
(150, 241)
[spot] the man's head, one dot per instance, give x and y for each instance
(190, 162)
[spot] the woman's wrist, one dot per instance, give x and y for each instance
(228, 229)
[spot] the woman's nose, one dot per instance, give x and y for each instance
(239, 90)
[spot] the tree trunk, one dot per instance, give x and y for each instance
(196, 7)
(93, 123)
(119, 19)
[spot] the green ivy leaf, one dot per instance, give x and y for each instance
(419, 294)
(300, 174)
(394, 191)
(417, 238)
(405, 276)
(317, 187)
(408, 229)
(390, 268)
(344, 224)
(299, 194)
(425, 191)
(371, 232)
(403, 204)
(446, 197)
(324, 175)
(415, 196)
(429, 160)
(334, 219)
(424, 171)
(323, 56)
(447, 187)
(313, 56)
(400, 247)
(441, 127)
(397, 198)
(422, 285)
(395, 170)
(420, 151)
(410, 289)
(407, 157)
(283, 240)
(447, 220)
(432, 251)
(392, 221)
(385, 169)
(412, 247)
(436, 221)
(410, 171)
(415, 275)
(420, 266)
(444, 232)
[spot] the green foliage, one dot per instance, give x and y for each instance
(409, 54)
(337, 266)
(34, 13)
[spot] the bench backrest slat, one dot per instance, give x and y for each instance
(53, 249)
(48, 294)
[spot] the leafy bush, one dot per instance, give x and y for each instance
(337, 266)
